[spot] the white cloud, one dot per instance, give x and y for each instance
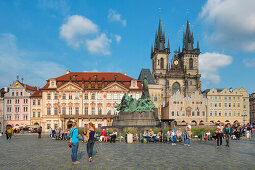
(249, 62)
(114, 16)
(58, 5)
(211, 63)
(117, 38)
(94, 70)
(15, 61)
(101, 44)
(75, 28)
(231, 23)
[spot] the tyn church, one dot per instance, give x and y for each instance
(181, 73)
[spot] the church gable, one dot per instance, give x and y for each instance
(69, 87)
(17, 84)
(115, 87)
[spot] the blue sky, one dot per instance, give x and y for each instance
(42, 39)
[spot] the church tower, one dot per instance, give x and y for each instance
(190, 62)
(159, 56)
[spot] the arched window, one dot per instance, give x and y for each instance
(191, 63)
(176, 87)
(162, 63)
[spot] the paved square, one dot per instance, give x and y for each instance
(28, 152)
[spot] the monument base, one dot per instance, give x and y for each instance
(136, 119)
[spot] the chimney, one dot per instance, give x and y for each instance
(67, 71)
(125, 73)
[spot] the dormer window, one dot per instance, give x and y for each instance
(134, 84)
(74, 76)
(52, 83)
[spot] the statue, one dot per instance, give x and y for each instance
(129, 104)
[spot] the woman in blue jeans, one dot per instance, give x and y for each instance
(74, 142)
(92, 136)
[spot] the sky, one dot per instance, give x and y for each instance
(41, 39)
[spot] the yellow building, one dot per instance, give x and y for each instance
(227, 105)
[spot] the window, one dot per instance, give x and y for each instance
(93, 111)
(226, 113)
(17, 93)
(162, 63)
(137, 96)
(193, 113)
(25, 101)
(225, 98)
(33, 114)
(198, 113)
(215, 113)
(9, 117)
(215, 104)
(34, 102)
(64, 110)
(220, 98)
(234, 98)
(99, 126)
(108, 111)
(238, 98)
(76, 95)
(77, 110)
(244, 106)
(48, 126)
(86, 126)
(39, 114)
(86, 110)
(177, 113)
(219, 104)
(21, 93)
(55, 126)
(99, 95)
(219, 113)
(115, 96)
(56, 96)
(234, 104)
(229, 98)
(238, 104)
(238, 113)
(99, 110)
(64, 96)
(24, 109)
(55, 111)
(70, 110)
(215, 97)
(70, 96)
(121, 95)
(39, 102)
(229, 104)
(210, 113)
(183, 113)
(109, 96)
(48, 111)
(16, 117)
(190, 63)
(24, 117)
(210, 97)
(48, 96)
(93, 96)
(17, 109)
(234, 113)
(172, 113)
(86, 96)
(244, 100)
(203, 112)
(12, 93)
(155, 98)
(229, 113)
(176, 87)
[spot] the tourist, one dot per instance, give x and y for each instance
(113, 136)
(107, 135)
(151, 135)
(74, 142)
(188, 136)
(39, 131)
(179, 135)
(227, 133)
(135, 137)
(184, 135)
(101, 139)
(159, 136)
(146, 135)
(174, 130)
(220, 134)
(168, 135)
(248, 131)
(91, 134)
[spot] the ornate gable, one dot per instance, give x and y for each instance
(70, 86)
(115, 87)
(17, 84)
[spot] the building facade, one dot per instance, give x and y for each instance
(227, 105)
(36, 108)
(182, 73)
(17, 104)
(252, 108)
(85, 97)
(2, 92)
(185, 109)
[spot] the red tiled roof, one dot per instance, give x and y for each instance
(38, 93)
(79, 77)
(29, 87)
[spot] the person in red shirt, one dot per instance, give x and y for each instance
(102, 135)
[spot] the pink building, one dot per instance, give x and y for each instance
(17, 104)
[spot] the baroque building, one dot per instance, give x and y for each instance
(181, 73)
(84, 97)
(227, 105)
(17, 110)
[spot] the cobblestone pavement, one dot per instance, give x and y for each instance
(28, 152)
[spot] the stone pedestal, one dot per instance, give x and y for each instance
(129, 138)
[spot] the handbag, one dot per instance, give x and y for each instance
(70, 144)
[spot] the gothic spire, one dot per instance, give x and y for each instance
(188, 39)
(197, 44)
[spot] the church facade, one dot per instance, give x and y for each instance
(181, 73)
